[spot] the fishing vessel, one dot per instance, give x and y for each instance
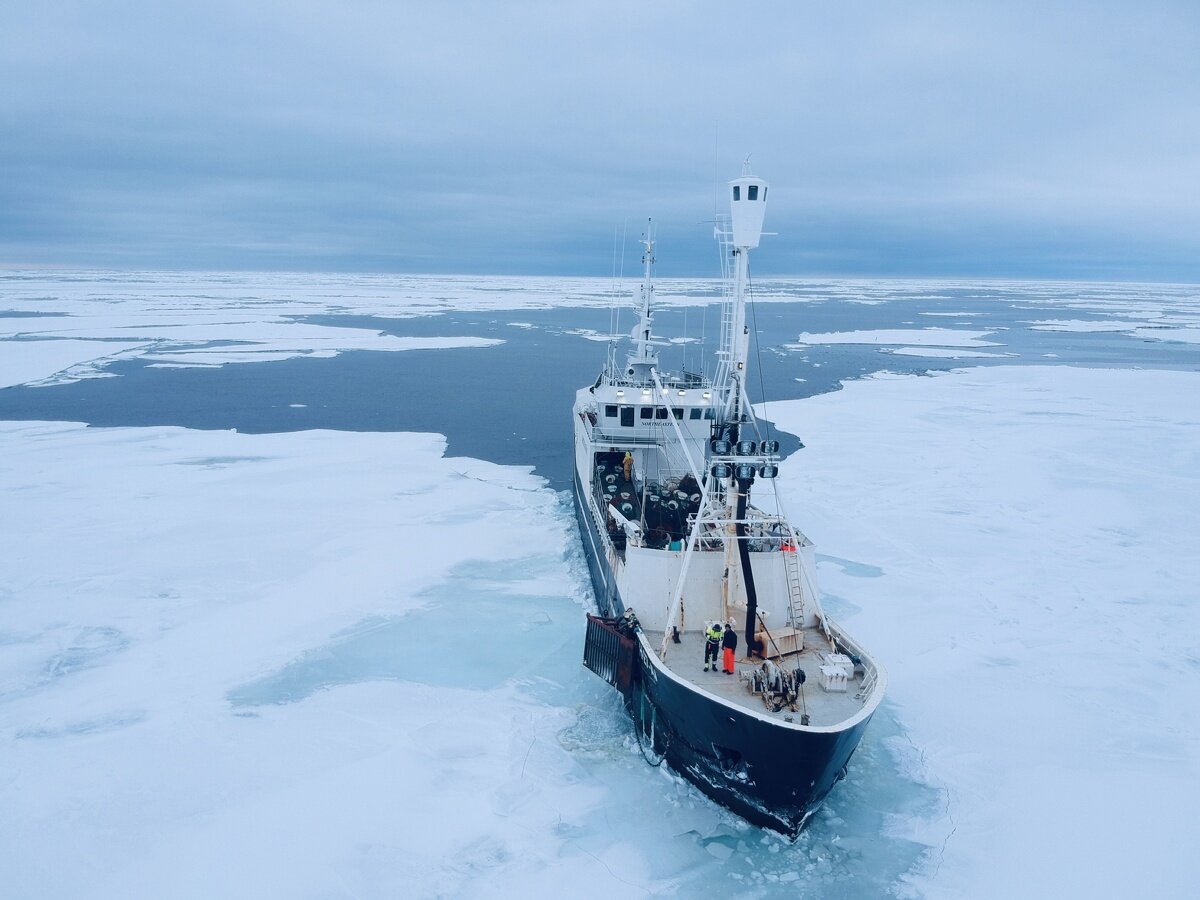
(684, 534)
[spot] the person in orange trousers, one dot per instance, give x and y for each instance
(729, 646)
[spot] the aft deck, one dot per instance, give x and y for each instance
(824, 708)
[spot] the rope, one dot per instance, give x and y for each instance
(637, 733)
(762, 390)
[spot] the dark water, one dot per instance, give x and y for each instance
(510, 403)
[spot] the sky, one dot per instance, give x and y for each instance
(991, 139)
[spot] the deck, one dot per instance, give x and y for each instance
(825, 708)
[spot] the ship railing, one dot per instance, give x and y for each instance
(771, 531)
(868, 685)
(840, 642)
(598, 435)
(713, 535)
(675, 380)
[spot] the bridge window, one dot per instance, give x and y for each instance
(737, 192)
(660, 412)
(695, 414)
(626, 416)
(678, 413)
(752, 192)
(647, 412)
(610, 412)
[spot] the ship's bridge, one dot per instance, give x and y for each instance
(622, 405)
(664, 426)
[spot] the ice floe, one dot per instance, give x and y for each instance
(938, 337)
(945, 353)
(1035, 528)
(33, 361)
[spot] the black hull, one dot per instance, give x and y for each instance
(608, 599)
(772, 774)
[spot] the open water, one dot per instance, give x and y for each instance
(510, 404)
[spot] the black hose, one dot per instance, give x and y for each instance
(637, 733)
(744, 555)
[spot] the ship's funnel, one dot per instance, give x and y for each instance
(747, 204)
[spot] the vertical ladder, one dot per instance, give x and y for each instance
(791, 567)
(724, 234)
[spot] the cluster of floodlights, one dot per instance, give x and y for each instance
(743, 471)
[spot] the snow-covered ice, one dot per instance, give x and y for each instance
(945, 353)
(1157, 327)
(77, 345)
(151, 573)
(1083, 325)
(1035, 531)
(936, 337)
(30, 361)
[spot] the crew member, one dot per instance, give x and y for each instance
(729, 647)
(712, 645)
(628, 466)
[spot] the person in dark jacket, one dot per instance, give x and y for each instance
(729, 645)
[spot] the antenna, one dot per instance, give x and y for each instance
(717, 192)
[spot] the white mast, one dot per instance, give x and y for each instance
(747, 206)
(645, 358)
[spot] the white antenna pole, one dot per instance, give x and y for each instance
(747, 206)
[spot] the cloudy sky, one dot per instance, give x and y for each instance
(1011, 139)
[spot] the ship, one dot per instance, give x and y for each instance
(685, 534)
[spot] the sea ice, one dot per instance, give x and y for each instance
(1036, 611)
(937, 337)
(151, 572)
(27, 361)
(945, 353)
(227, 662)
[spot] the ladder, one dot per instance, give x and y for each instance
(724, 234)
(791, 567)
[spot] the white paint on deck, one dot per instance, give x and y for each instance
(686, 660)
